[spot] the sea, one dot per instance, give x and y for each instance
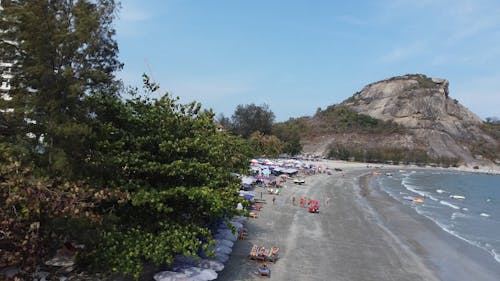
(466, 205)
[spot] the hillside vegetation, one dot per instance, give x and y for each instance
(407, 119)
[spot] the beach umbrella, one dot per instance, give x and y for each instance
(171, 276)
(240, 219)
(226, 236)
(237, 225)
(201, 274)
(209, 264)
(221, 249)
(224, 242)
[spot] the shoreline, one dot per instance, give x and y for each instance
(342, 242)
(449, 256)
(362, 234)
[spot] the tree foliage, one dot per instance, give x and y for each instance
(176, 168)
(289, 133)
(269, 146)
(251, 118)
(31, 205)
(64, 52)
(137, 181)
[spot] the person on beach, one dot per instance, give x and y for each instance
(274, 200)
(327, 201)
(293, 200)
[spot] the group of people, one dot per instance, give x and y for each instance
(303, 202)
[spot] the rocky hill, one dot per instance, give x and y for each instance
(410, 114)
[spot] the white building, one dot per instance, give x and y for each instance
(5, 74)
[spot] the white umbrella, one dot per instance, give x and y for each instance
(209, 264)
(171, 276)
(240, 219)
(201, 274)
(224, 230)
(224, 242)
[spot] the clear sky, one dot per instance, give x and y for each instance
(297, 56)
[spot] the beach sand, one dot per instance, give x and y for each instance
(362, 234)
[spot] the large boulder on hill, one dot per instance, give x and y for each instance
(432, 121)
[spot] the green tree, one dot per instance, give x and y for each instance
(289, 133)
(270, 146)
(30, 206)
(64, 52)
(251, 118)
(176, 168)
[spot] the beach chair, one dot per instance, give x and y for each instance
(262, 254)
(253, 252)
(273, 255)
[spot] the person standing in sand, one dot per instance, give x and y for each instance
(293, 200)
(327, 201)
(274, 200)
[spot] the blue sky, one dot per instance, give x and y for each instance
(297, 56)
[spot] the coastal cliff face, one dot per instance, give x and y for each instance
(431, 121)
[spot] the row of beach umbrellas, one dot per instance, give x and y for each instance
(204, 268)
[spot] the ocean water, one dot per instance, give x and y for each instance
(475, 218)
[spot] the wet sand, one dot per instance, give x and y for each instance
(362, 234)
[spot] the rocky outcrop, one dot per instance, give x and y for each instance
(432, 120)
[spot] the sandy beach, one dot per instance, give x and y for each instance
(361, 234)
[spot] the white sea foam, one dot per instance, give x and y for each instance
(465, 209)
(458, 215)
(449, 205)
(493, 252)
(440, 191)
(484, 215)
(414, 189)
(496, 255)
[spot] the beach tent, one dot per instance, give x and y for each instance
(249, 195)
(289, 171)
